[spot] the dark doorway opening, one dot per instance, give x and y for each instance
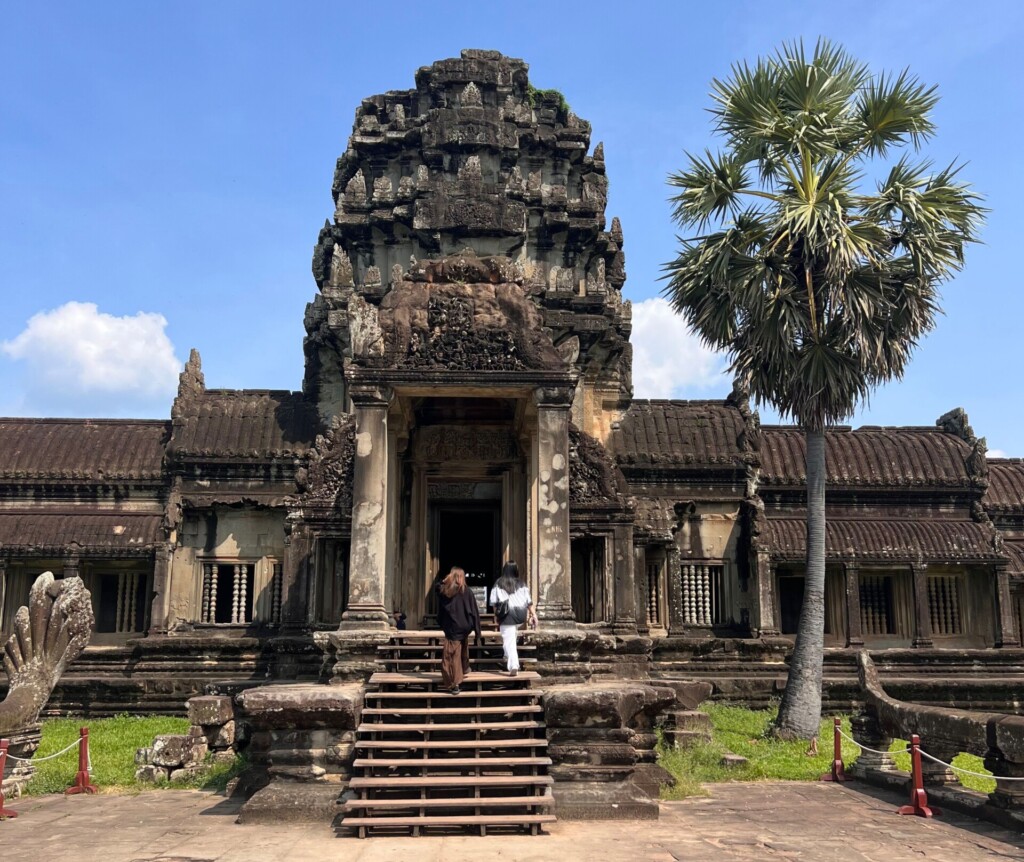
(469, 539)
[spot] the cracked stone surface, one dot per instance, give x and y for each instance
(737, 823)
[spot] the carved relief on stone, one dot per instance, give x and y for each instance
(382, 189)
(355, 188)
(422, 177)
(534, 181)
(593, 477)
(569, 350)
(470, 173)
(341, 269)
(459, 443)
(471, 96)
(515, 180)
(599, 152)
(398, 114)
(339, 206)
(406, 188)
(326, 478)
(372, 277)
(364, 327)
(396, 274)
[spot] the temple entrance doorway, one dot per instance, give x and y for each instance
(468, 537)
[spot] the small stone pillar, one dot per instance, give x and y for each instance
(160, 608)
(369, 556)
(1008, 635)
(640, 588)
(3, 587)
(936, 774)
(854, 629)
(1008, 794)
(554, 582)
(71, 565)
(676, 618)
(922, 619)
(295, 579)
(623, 572)
(764, 576)
(865, 731)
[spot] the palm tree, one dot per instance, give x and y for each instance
(815, 279)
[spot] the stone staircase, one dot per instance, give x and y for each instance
(429, 760)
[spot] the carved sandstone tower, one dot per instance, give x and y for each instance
(470, 311)
(475, 158)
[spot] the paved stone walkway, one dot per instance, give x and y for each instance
(738, 823)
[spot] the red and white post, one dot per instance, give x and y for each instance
(83, 783)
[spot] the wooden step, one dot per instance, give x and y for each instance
(450, 726)
(476, 676)
(539, 801)
(441, 709)
(454, 698)
(400, 744)
(403, 781)
(450, 762)
(451, 820)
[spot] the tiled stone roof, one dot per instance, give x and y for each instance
(89, 450)
(1005, 485)
(1014, 549)
(883, 539)
(868, 456)
(228, 423)
(678, 434)
(116, 534)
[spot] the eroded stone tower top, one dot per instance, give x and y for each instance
(475, 158)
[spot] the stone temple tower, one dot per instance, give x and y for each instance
(475, 159)
(469, 340)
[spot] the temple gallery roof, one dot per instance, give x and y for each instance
(109, 534)
(1005, 485)
(678, 434)
(227, 423)
(869, 456)
(883, 539)
(86, 450)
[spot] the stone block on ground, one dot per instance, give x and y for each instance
(292, 802)
(220, 736)
(733, 761)
(689, 693)
(303, 705)
(171, 750)
(602, 800)
(210, 709)
(151, 774)
(686, 738)
(186, 773)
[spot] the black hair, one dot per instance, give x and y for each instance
(509, 580)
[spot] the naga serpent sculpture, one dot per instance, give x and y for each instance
(48, 634)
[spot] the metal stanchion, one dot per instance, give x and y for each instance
(4, 812)
(918, 798)
(837, 773)
(83, 782)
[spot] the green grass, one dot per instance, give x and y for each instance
(112, 744)
(746, 732)
(964, 761)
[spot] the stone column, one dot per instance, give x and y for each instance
(554, 599)
(854, 630)
(3, 587)
(623, 573)
(71, 565)
(369, 550)
(922, 619)
(160, 608)
(865, 730)
(295, 613)
(674, 576)
(1007, 636)
(640, 588)
(764, 574)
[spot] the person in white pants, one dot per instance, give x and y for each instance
(513, 606)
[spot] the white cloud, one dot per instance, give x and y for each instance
(997, 453)
(76, 355)
(668, 359)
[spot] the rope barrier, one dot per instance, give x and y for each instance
(970, 772)
(48, 757)
(863, 747)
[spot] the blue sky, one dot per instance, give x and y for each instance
(172, 163)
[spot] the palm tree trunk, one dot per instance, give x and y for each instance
(800, 711)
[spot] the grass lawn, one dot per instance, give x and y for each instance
(744, 732)
(112, 744)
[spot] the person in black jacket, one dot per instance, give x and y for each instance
(458, 615)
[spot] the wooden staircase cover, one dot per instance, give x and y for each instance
(427, 760)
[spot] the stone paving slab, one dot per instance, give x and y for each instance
(737, 823)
